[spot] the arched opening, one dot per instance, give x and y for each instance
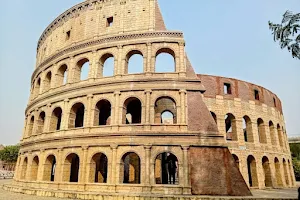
(166, 169)
(84, 70)
(55, 122)
(230, 127)
(261, 131)
(49, 168)
(278, 173)
(267, 172)
(252, 171)
(34, 168)
(247, 129)
(98, 169)
(47, 81)
(30, 126)
(102, 113)
(24, 169)
(107, 65)
(272, 133)
(71, 168)
(37, 87)
(132, 111)
(76, 119)
(286, 175)
(134, 62)
(237, 160)
(165, 61)
(165, 111)
(62, 75)
(131, 168)
(41, 123)
(214, 116)
(279, 135)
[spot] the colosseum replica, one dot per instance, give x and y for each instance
(153, 132)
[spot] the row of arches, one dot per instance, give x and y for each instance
(134, 62)
(165, 169)
(165, 113)
(231, 129)
(270, 180)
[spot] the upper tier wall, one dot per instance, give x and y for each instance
(214, 86)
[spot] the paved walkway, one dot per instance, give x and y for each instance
(257, 194)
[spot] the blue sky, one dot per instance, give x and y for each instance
(226, 38)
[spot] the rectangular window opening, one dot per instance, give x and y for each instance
(256, 94)
(68, 35)
(227, 88)
(110, 21)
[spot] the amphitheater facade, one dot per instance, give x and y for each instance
(150, 132)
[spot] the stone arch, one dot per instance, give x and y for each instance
(30, 126)
(62, 75)
(130, 168)
(49, 168)
(47, 81)
(237, 160)
(37, 87)
(107, 65)
(286, 175)
(81, 70)
(165, 60)
(71, 168)
(24, 168)
(76, 118)
(267, 172)
(214, 116)
(278, 172)
(102, 113)
(34, 168)
(132, 111)
(247, 129)
(230, 127)
(134, 62)
(55, 121)
(166, 169)
(252, 171)
(279, 132)
(98, 168)
(41, 122)
(162, 105)
(261, 131)
(272, 133)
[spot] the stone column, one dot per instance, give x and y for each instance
(182, 63)
(147, 163)
(36, 121)
(183, 114)
(88, 122)
(24, 133)
(47, 119)
(83, 165)
(94, 66)
(148, 101)
(282, 173)
(119, 63)
(59, 166)
(149, 59)
(65, 115)
(116, 120)
(113, 167)
(186, 177)
(40, 171)
(71, 70)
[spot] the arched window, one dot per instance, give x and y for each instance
(134, 62)
(267, 172)
(131, 168)
(47, 81)
(132, 111)
(278, 172)
(165, 61)
(49, 168)
(166, 169)
(272, 133)
(261, 131)
(37, 87)
(230, 127)
(55, 122)
(214, 116)
(102, 113)
(107, 65)
(24, 169)
(71, 168)
(30, 126)
(165, 111)
(252, 171)
(286, 175)
(41, 123)
(247, 129)
(34, 168)
(279, 135)
(76, 119)
(81, 70)
(62, 75)
(237, 160)
(98, 169)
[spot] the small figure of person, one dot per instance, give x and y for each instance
(172, 168)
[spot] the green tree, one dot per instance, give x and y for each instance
(10, 154)
(295, 150)
(296, 164)
(286, 33)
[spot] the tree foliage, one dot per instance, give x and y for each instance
(288, 33)
(10, 154)
(295, 150)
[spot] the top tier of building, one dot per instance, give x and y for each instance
(95, 19)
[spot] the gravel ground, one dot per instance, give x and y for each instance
(263, 194)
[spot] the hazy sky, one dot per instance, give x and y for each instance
(226, 38)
